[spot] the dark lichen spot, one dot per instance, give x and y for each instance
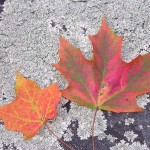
(67, 106)
(53, 23)
(64, 28)
(106, 3)
(115, 18)
(2, 2)
(32, 12)
(80, 1)
(1, 6)
(4, 98)
(143, 24)
(84, 30)
(9, 146)
(149, 96)
(1, 123)
(125, 29)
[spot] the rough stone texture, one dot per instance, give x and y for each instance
(29, 40)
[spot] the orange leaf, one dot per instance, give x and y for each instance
(105, 82)
(31, 108)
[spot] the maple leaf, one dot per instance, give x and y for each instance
(31, 108)
(106, 82)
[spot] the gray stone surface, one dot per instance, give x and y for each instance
(29, 40)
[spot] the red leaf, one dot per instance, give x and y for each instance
(31, 108)
(105, 82)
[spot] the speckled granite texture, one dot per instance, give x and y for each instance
(29, 41)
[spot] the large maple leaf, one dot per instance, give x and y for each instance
(31, 108)
(106, 82)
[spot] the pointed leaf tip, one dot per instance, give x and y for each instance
(104, 20)
(17, 74)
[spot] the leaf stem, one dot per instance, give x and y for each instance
(62, 142)
(93, 128)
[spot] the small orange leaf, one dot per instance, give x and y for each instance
(31, 108)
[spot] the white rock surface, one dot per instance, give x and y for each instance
(29, 41)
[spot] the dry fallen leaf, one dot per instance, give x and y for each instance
(31, 108)
(105, 82)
